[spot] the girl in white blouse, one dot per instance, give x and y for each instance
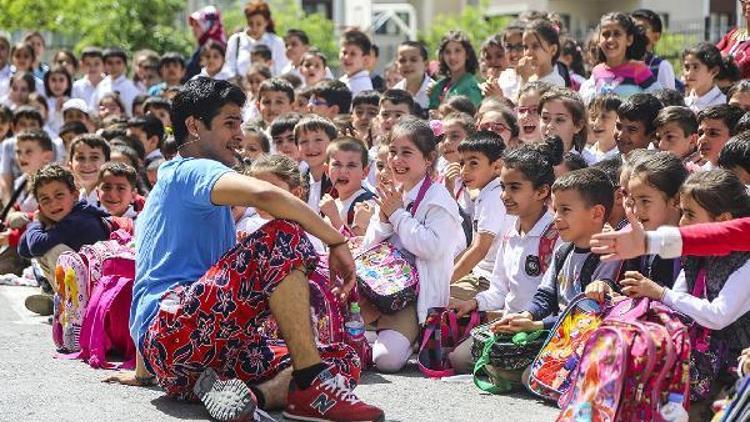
(421, 218)
(260, 29)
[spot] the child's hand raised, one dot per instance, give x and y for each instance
(491, 88)
(389, 199)
(636, 285)
(362, 214)
(328, 206)
(452, 171)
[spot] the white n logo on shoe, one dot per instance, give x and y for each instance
(322, 404)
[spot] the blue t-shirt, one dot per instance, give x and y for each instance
(179, 235)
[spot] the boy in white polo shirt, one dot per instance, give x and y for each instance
(481, 155)
(526, 249)
(355, 47)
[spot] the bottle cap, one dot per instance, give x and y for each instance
(354, 307)
(676, 397)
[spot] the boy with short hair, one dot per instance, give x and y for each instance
(394, 104)
(24, 118)
(149, 130)
(313, 134)
(282, 136)
(92, 66)
(296, 43)
(116, 62)
(347, 168)
(160, 107)
(634, 128)
(716, 124)
(677, 132)
(355, 46)
(330, 98)
(582, 200)
(602, 114)
(64, 224)
(481, 163)
(88, 153)
(261, 54)
(735, 156)
(171, 72)
(651, 25)
(275, 97)
(365, 106)
(117, 189)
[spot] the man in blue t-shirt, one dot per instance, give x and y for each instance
(198, 298)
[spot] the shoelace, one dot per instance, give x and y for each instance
(337, 386)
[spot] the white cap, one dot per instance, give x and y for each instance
(75, 104)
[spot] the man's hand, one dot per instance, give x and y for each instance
(341, 265)
(126, 378)
(621, 245)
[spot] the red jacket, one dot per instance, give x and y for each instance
(739, 50)
(713, 239)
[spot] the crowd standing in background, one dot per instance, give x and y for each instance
(488, 170)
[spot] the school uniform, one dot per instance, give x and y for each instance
(516, 275)
(357, 82)
(599, 155)
(346, 205)
(421, 96)
(553, 78)
(490, 218)
(510, 83)
(85, 90)
(122, 85)
(222, 75)
(711, 98)
(317, 190)
(238, 60)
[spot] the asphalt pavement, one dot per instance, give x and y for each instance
(36, 386)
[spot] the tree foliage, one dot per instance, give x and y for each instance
(129, 24)
(471, 21)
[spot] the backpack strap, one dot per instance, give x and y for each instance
(547, 246)
(560, 255)
(587, 271)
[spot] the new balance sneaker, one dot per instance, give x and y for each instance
(225, 400)
(329, 399)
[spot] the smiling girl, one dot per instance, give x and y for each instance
(541, 49)
(411, 62)
(421, 218)
(458, 62)
(57, 86)
(260, 29)
(620, 71)
(701, 66)
(563, 114)
(88, 153)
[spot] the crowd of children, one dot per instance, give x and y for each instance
(490, 170)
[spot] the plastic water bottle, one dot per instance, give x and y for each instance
(355, 335)
(355, 325)
(583, 412)
(673, 410)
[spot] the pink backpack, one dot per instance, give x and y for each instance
(104, 273)
(630, 364)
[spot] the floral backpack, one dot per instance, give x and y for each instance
(631, 364)
(386, 276)
(554, 365)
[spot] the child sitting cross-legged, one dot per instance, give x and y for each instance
(582, 200)
(347, 168)
(525, 249)
(63, 223)
(481, 156)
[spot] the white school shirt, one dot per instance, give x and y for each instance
(238, 63)
(358, 82)
(602, 155)
(421, 97)
(510, 83)
(666, 75)
(553, 78)
(711, 98)
(222, 75)
(85, 90)
(5, 75)
(92, 198)
(732, 302)
(313, 198)
(432, 241)
(490, 217)
(343, 205)
(511, 287)
(127, 89)
(54, 116)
